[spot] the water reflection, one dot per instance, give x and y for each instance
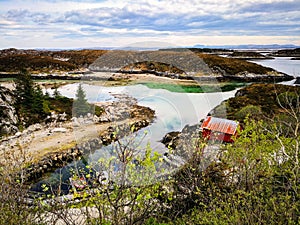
(173, 111)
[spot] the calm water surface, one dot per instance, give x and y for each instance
(173, 111)
(282, 64)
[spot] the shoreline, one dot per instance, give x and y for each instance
(44, 148)
(133, 75)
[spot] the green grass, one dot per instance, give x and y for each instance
(197, 88)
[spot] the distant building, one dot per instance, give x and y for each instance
(219, 129)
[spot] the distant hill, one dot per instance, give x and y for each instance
(248, 55)
(287, 53)
(194, 63)
(13, 60)
(180, 63)
(248, 46)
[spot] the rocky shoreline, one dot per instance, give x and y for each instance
(182, 143)
(51, 146)
(108, 75)
(53, 161)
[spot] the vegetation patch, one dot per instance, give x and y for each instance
(153, 66)
(197, 88)
(233, 66)
(32, 106)
(269, 99)
(13, 60)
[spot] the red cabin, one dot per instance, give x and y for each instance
(214, 128)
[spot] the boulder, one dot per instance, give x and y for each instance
(8, 116)
(59, 130)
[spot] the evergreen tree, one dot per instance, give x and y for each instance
(81, 107)
(24, 91)
(56, 93)
(29, 98)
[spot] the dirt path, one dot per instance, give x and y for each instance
(40, 140)
(43, 142)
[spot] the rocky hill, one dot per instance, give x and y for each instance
(178, 63)
(240, 69)
(192, 63)
(248, 55)
(260, 101)
(186, 61)
(8, 116)
(287, 53)
(13, 60)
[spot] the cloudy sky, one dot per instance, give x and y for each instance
(116, 23)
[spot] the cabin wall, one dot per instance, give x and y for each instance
(218, 136)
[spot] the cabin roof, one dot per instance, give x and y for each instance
(220, 125)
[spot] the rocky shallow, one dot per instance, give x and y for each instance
(55, 160)
(53, 145)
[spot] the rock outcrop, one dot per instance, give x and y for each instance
(55, 160)
(8, 116)
(183, 143)
(248, 55)
(287, 53)
(186, 61)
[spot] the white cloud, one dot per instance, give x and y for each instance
(115, 22)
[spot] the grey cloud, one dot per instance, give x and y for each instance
(254, 19)
(27, 16)
(274, 7)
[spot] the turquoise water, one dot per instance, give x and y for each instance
(173, 110)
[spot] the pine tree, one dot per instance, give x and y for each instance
(56, 93)
(24, 91)
(80, 107)
(29, 99)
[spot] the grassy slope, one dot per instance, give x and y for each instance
(45, 61)
(233, 66)
(197, 88)
(265, 96)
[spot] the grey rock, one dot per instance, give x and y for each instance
(8, 116)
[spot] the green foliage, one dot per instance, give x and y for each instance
(80, 106)
(56, 93)
(197, 88)
(29, 99)
(98, 110)
(254, 180)
(270, 98)
(251, 111)
(245, 208)
(46, 108)
(32, 106)
(61, 105)
(259, 181)
(289, 99)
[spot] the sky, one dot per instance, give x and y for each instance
(175, 23)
